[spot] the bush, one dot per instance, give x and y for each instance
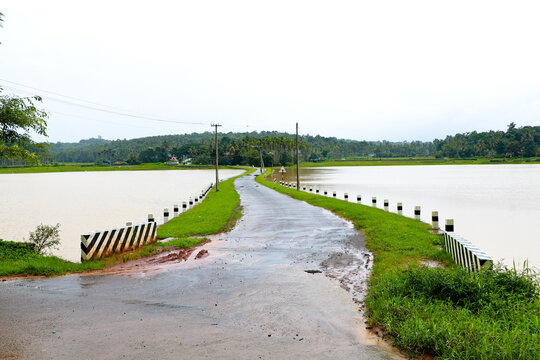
(45, 237)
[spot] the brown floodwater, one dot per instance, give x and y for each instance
(84, 202)
(496, 207)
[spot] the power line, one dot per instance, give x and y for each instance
(120, 113)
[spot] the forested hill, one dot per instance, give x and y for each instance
(277, 147)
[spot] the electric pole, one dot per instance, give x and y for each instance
(297, 162)
(216, 144)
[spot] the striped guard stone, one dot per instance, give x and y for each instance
(108, 242)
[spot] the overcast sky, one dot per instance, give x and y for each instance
(373, 70)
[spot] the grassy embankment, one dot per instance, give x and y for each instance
(446, 312)
(419, 161)
(218, 212)
(93, 167)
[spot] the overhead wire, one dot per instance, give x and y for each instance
(122, 112)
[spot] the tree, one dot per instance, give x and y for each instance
(18, 117)
(45, 237)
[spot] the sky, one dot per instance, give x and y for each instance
(363, 70)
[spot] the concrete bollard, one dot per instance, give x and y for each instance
(190, 202)
(316, 191)
(358, 199)
(400, 208)
(374, 201)
(417, 213)
(310, 189)
(385, 204)
(346, 196)
(175, 210)
(200, 197)
(151, 218)
(325, 193)
(304, 188)
(129, 223)
(294, 186)
(334, 194)
(184, 206)
(435, 220)
(165, 215)
(196, 200)
(449, 225)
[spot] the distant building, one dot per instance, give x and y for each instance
(173, 161)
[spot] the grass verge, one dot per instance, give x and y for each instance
(18, 258)
(445, 312)
(216, 213)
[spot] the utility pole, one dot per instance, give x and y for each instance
(260, 155)
(297, 162)
(216, 144)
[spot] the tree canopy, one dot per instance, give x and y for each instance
(19, 117)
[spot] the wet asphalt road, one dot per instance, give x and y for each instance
(250, 299)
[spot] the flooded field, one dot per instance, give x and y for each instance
(84, 202)
(497, 207)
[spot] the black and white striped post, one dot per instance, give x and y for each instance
(175, 208)
(449, 225)
(190, 203)
(325, 193)
(385, 204)
(359, 199)
(184, 206)
(400, 208)
(196, 200)
(310, 189)
(334, 194)
(107, 242)
(317, 191)
(304, 188)
(435, 220)
(417, 213)
(346, 196)
(165, 215)
(151, 218)
(374, 201)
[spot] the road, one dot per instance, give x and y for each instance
(249, 299)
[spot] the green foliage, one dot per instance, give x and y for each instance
(11, 250)
(18, 117)
(279, 148)
(209, 217)
(45, 237)
(21, 259)
(454, 314)
(446, 312)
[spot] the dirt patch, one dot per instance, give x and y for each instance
(201, 254)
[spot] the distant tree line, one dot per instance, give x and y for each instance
(515, 142)
(278, 148)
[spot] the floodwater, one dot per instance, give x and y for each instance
(496, 207)
(84, 202)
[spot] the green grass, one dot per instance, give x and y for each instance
(446, 312)
(215, 214)
(20, 259)
(93, 167)
(419, 161)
